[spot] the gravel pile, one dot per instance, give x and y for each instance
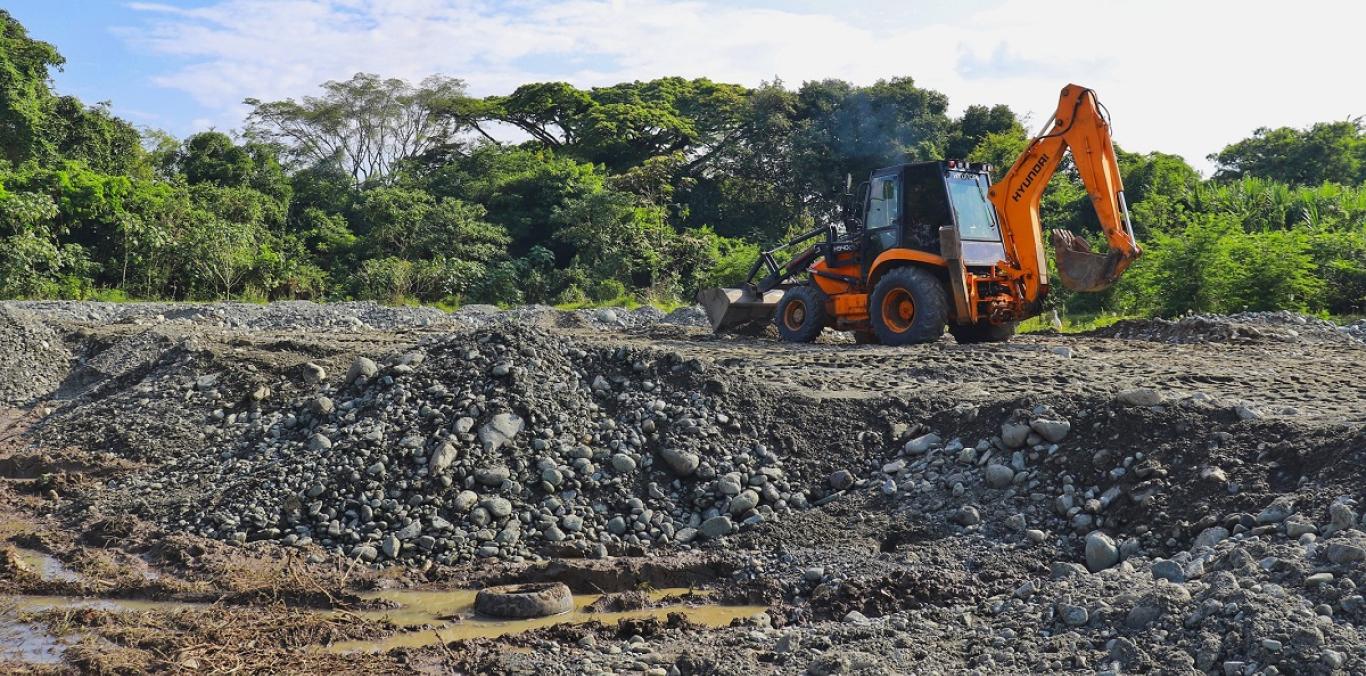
(358, 315)
(35, 360)
(509, 443)
(1243, 327)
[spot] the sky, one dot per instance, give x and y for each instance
(1180, 76)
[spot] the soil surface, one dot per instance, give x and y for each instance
(301, 488)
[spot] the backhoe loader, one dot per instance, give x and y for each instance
(935, 244)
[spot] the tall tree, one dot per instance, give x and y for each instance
(367, 125)
(1332, 152)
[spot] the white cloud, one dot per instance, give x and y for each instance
(1179, 76)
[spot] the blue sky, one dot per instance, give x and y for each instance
(1179, 76)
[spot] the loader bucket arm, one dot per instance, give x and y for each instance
(1080, 126)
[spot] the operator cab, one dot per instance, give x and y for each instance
(906, 204)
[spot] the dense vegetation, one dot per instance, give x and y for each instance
(388, 190)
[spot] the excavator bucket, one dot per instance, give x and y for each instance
(1083, 270)
(732, 308)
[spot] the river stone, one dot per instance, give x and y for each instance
(442, 458)
(1210, 537)
(1101, 551)
(492, 476)
(623, 463)
(1166, 569)
(465, 501)
(1139, 396)
(391, 546)
(1052, 430)
(744, 502)
(1341, 553)
(498, 507)
(717, 526)
(362, 368)
(499, 430)
(1279, 510)
(999, 476)
(682, 463)
(922, 443)
(841, 479)
(314, 374)
(1013, 435)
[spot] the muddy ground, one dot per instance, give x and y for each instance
(1156, 497)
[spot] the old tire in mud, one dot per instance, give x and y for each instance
(908, 306)
(983, 332)
(522, 601)
(801, 314)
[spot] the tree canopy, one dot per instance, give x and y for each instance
(385, 189)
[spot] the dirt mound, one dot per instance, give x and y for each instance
(35, 359)
(508, 442)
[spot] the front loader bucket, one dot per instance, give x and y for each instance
(730, 308)
(1083, 270)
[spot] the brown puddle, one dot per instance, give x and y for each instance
(46, 565)
(452, 614)
(447, 613)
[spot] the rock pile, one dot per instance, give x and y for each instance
(34, 358)
(1243, 327)
(506, 443)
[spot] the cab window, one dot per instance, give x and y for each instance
(884, 203)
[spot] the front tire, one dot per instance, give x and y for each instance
(908, 306)
(801, 314)
(983, 332)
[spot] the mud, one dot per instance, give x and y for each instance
(1168, 497)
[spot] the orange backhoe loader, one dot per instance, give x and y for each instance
(935, 244)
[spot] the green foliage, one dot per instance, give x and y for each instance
(636, 192)
(1326, 152)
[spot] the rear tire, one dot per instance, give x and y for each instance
(908, 306)
(801, 314)
(983, 332)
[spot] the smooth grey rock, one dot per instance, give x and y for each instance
(362, 368)
(922, 443)
(717, 526)
(391, 546)
(442, 458)
(683, 463)
(841, 479)
(1013, 435)
(999, 476)
(464, 501)
(1140, 396)
(744, 502)
(967, 515)
(1210, 536)
(1101, 551)
(1166, 569)
(1052, 430)
(623, 463)
(499, 430)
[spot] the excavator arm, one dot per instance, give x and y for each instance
(1078, 125)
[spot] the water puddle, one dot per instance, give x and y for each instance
(451, 616)
(443, 615)
(45, 565)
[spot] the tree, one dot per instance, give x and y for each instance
(25, 100)
(367, 126)
(978, 123)
(844, 129)
(1325, 152)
